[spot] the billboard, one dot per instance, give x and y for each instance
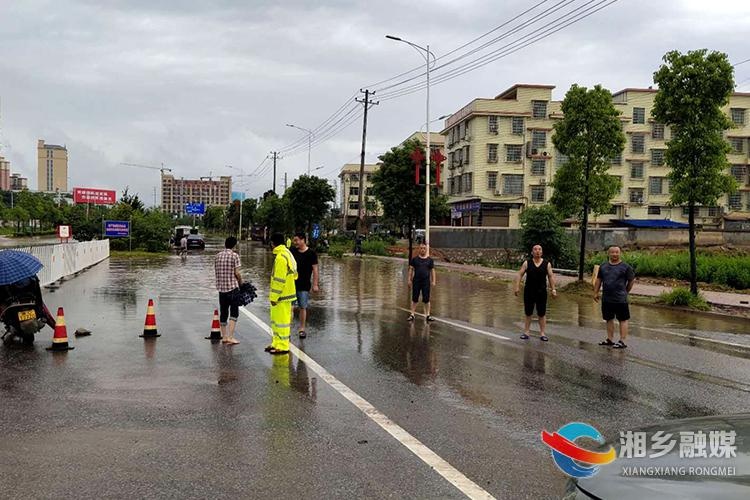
(238, 196)
(195, 208)
(95, 196)
(117, 228)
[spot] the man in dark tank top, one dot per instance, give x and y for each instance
(537, 270)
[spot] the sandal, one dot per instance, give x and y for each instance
(277, 351)
(544, 338)
(429, 319)
(268, 348)
(410, 318)
(524, 336)
(619, 345)
(607, 343)
(302, 334)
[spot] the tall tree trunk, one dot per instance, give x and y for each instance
(693, 263)
(585, 220)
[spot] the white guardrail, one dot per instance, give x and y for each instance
(67, 258)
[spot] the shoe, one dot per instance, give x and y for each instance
(524, 336)
(268, 348)
(619, 345)
(302, 334)
(410, 318)
(429, 318)
(607, 342)
(278, 351)
(544, 338)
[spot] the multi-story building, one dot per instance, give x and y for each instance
(52, 167)
(501, 159)
(4, 174)
(18, 183)
(176, 193)
(349, 201)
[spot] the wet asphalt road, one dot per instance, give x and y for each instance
(180, 417)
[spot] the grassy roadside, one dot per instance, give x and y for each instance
(137, 254)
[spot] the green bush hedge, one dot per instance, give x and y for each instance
(374, 247)
(681, 296)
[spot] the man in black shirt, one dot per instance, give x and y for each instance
(537, 271)
(307, 265)
(421, 277)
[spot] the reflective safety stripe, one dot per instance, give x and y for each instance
(276, 290)
(288, 297)
(289, 273)
(280, 280)
(282, 337)
(282, 325)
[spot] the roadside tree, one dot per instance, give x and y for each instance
(308, 198)
(543, 226)
(693, 89)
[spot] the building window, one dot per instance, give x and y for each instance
(561, 159)
(353, 191)
(492, 124)
(639, 115)
(468, 187)
(492, 153)
(616, 160)
(655, 185)
(657, 131)
(636, 170)
(537, 167)
(735, 201)
(467, 156)
(636, 196)
(539, 109)
(686, 211)
(492, 181)
(657, 157)
(513, 184)
(353, 177)
(538, 194)
(513, 152)
(737, 143)
(516, 125)
(538, 139)
(654, 210)
(738, 116)
(612, 210)
(713, 211)
(638, 143)
(738, 172)
(452, 185)
(353, 205)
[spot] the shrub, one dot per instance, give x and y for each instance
(543, 226)
(336, 249)
(682, 297)
(374, 247)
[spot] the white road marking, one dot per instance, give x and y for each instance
(698, 339)
(429, 457)
(465, 327)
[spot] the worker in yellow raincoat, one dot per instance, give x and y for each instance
(282, 293)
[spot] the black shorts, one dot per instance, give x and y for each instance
(420, 287)
(612, 310)
(228, 308)
(535, 298)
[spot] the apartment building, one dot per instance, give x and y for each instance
(4, 174)
(18, 183)
(176, 193)
(52, 167)
(349, 200)
(501, 159)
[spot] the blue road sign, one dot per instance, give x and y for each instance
(315, 231)
(117, 228)
(195, 208)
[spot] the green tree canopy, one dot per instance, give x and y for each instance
(308, 198)
(543, 226)
(693, 88)
(273, 213)
(590, 135)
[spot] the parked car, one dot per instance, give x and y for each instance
(196, 241)
(670, 475)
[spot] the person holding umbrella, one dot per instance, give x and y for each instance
(18, 278)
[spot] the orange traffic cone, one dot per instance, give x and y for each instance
(215, 327)
(149, 328)
(60, 338)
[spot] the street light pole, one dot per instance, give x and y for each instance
(427, 53)
(309, 143)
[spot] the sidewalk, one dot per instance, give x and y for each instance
(717, 298)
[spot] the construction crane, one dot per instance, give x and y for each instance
(161, 169)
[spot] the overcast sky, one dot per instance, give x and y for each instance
(198, 85)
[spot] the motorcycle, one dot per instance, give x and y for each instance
(22, 309)
(23, 318)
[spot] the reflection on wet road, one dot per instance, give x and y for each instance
(179, 416)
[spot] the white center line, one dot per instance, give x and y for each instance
(429, 457)
(465, 327)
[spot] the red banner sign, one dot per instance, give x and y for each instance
(95, 196)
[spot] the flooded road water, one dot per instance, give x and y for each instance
(178, 416)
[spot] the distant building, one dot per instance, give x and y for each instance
(176, 193)
(52, 167)
(4, 174)
(349, 202)
(18, 183)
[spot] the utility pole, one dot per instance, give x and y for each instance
(275, 157)
(361, 212)
(285, 182)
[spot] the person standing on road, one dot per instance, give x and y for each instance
(282, 294)
(183, 245)
(228, 281)
(617, 279)
(307, 265)
(421, 278)
(537, 270)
